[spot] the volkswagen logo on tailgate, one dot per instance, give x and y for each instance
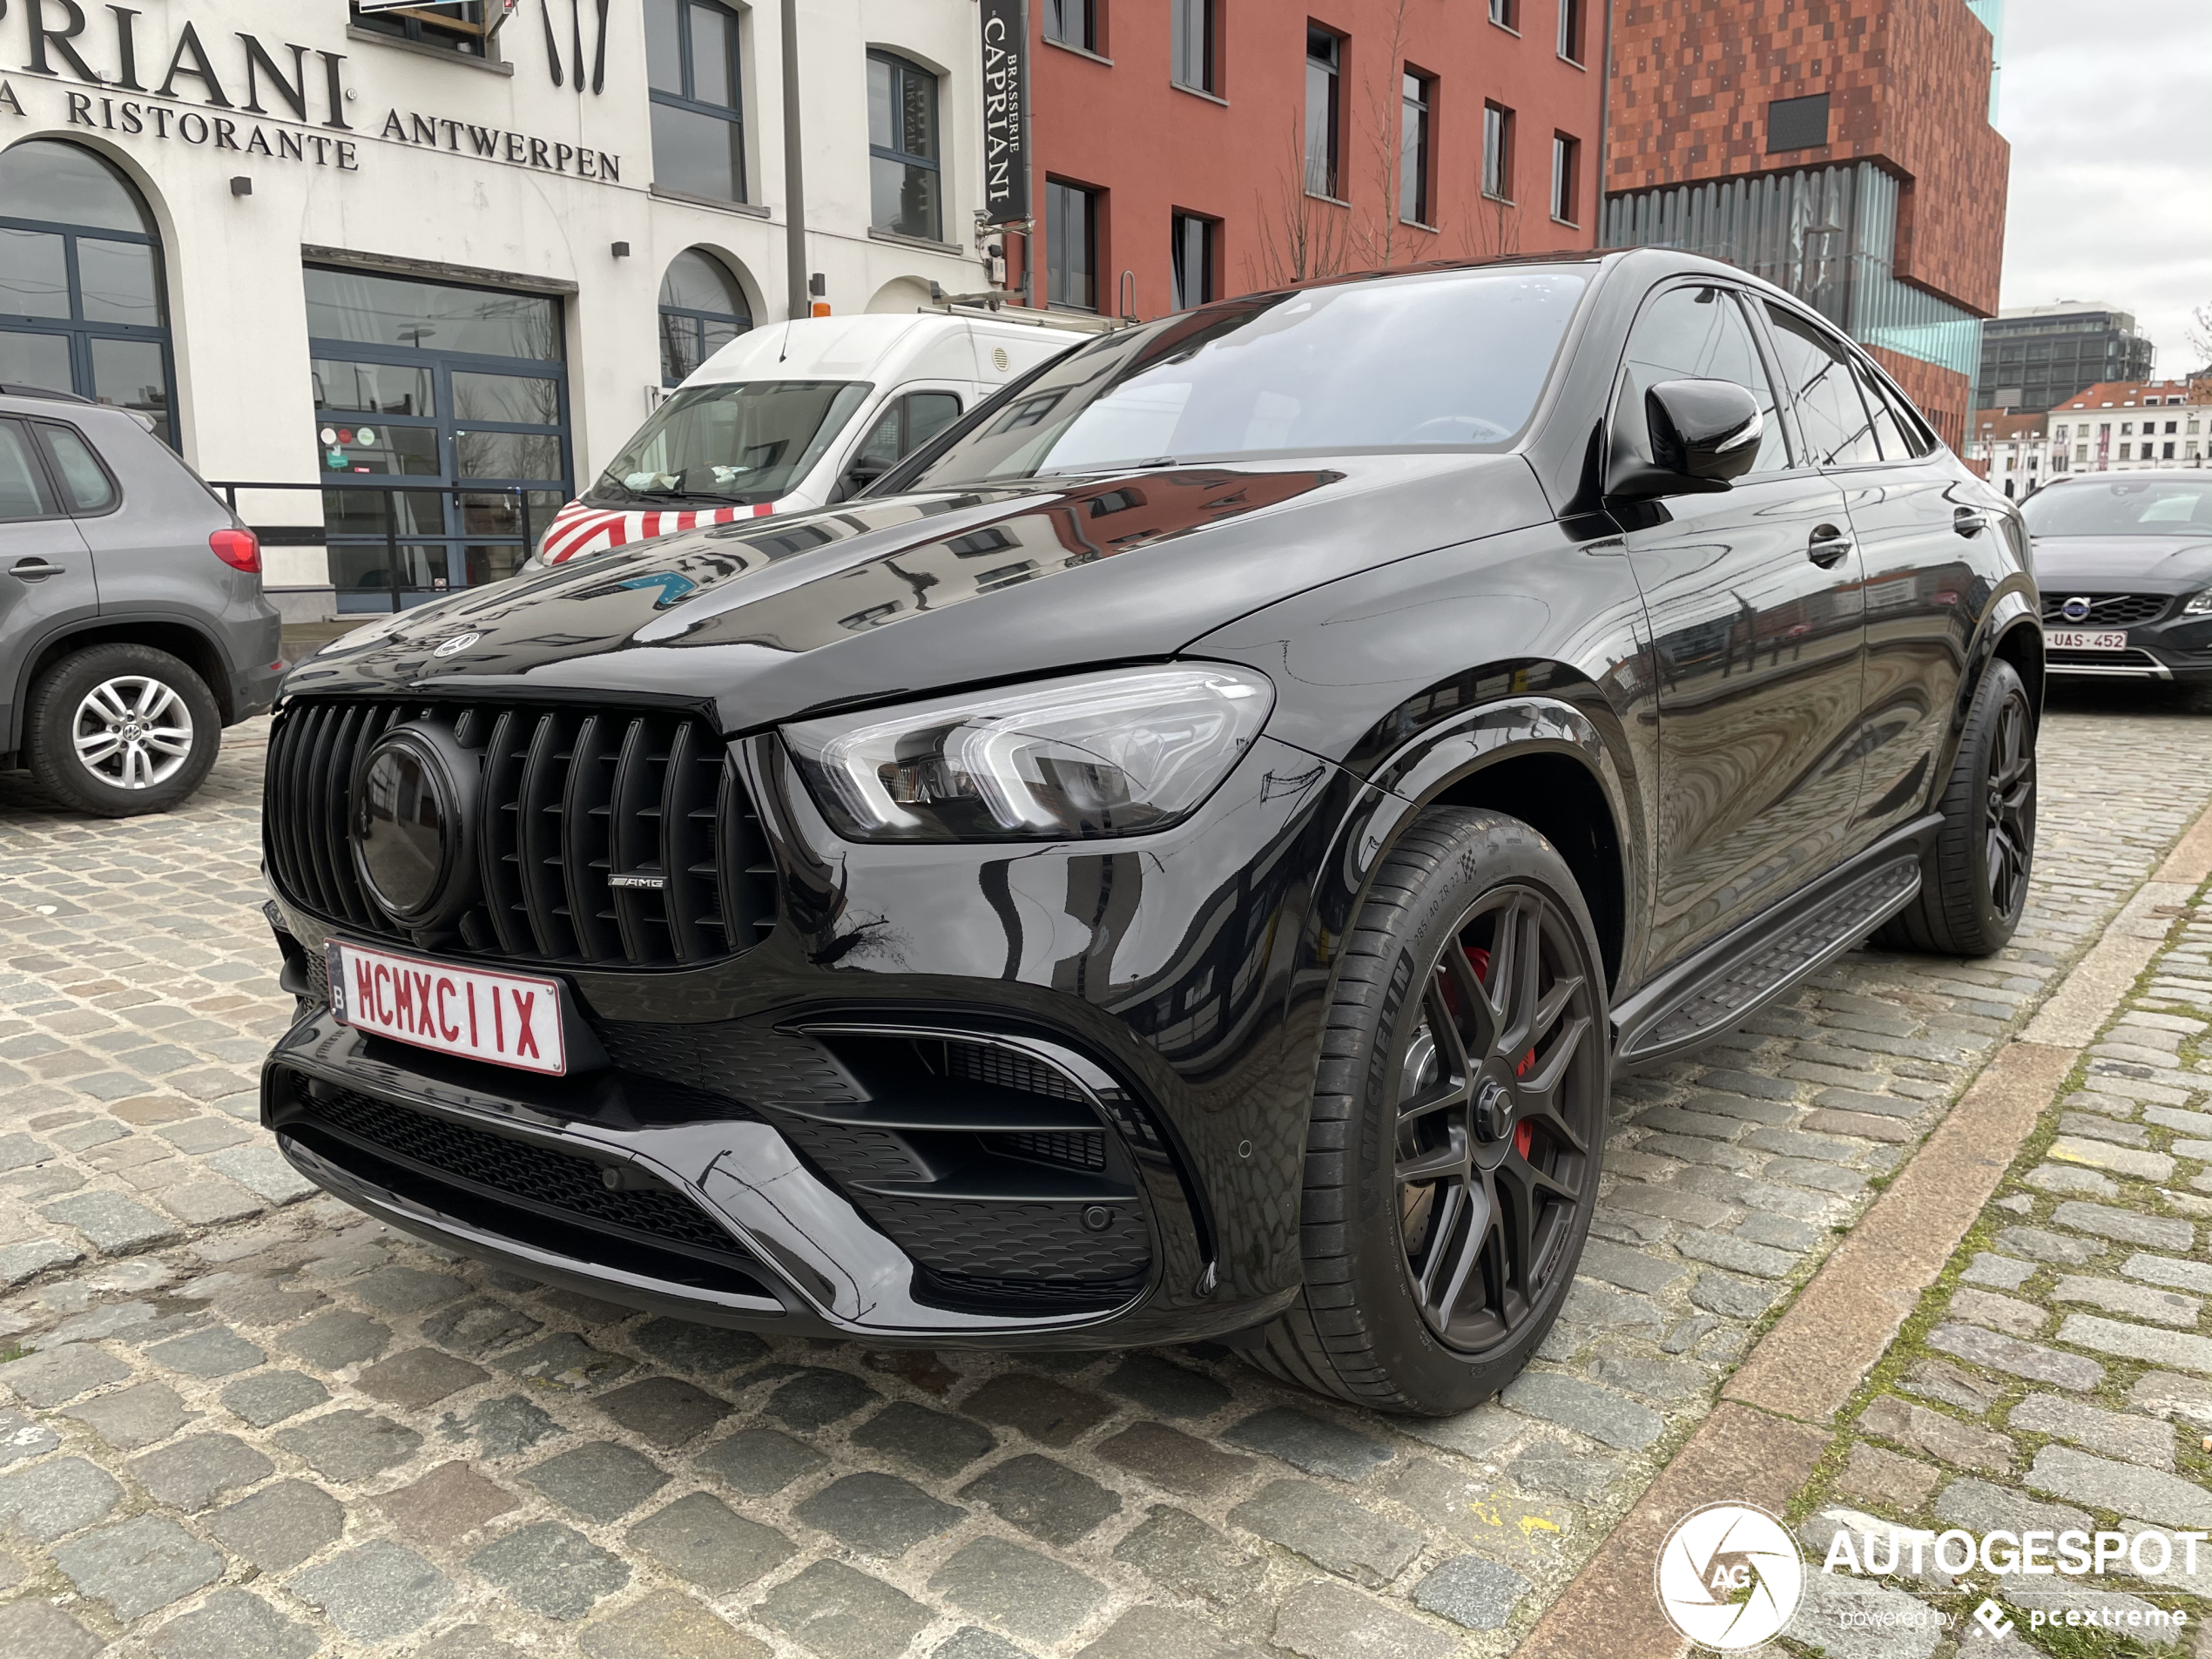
(2075, 610)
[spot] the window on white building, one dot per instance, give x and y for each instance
(698, 126)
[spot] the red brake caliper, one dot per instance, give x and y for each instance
(1479, 958)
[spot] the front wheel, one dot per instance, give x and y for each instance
(120, 730)
(1458, 1124)
(1973, 885)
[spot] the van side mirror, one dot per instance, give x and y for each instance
(1705, 434)
(859, 473)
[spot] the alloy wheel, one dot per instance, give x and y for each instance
(1501, 1108)
(132, 732)
(2008, 805)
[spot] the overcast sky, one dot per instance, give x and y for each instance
(2111, 199)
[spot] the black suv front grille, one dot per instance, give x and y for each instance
(2106, 609)
(572, 798)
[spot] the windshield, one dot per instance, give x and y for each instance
(2122, 507)
(1446, 359)
(747, 441)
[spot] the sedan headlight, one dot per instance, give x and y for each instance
(2200, 604)
(1118, 753)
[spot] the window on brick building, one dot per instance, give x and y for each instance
(1072, 23)
(1497, 151)
(1190, 30)
(1194, 260)
(1324, 137)
(1567, 157)
(1506, 14)
(1417, 96)
(1071, 247)
(1570, 31)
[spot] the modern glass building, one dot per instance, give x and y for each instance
(1826, 234)
(1851, 160)
(2038, 356)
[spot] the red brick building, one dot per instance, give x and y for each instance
(1842, 148)
(1186, 150)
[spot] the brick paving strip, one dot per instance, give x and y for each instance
(1762, 1444)
(244, 1422)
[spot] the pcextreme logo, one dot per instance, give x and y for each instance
(1729, 1577)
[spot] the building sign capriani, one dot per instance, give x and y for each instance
(1006, 111)
(206, 91)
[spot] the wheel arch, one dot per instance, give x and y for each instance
(185, 641)
(1555, 760)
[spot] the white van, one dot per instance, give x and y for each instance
(797, 414)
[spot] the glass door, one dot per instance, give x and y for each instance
(456, 398)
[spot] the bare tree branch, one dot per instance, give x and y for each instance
(1300, 236)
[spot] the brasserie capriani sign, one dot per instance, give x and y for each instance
(229, 90)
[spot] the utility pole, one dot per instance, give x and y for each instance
(802, 303)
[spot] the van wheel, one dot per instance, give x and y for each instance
(1973, 885)
(121, 730)
(1458, 1124)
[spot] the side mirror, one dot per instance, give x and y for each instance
(1705, 434)
(863, 471)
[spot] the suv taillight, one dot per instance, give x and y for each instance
(240, 550)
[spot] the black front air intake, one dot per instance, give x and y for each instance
(600, 1212)
(605, 837)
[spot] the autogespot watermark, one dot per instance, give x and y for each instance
(1730, 1577)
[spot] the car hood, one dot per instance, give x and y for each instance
(877, 599)
(2067, 564)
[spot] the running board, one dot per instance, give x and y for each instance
(1733, 979)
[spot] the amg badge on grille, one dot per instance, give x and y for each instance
(650, 883)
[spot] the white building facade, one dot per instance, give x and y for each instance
(2134, 426)
(460, 247)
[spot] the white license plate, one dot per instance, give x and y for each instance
(2085, 639)
(508, 1019)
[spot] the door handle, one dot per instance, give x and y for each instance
(1829, 546)
(35, 569)
(1969, 521)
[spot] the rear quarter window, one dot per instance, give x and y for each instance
(86, 487)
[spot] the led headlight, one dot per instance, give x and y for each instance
(1118, 753)
(2200, 604)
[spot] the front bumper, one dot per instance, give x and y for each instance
(2178, 649)
(808, 1136)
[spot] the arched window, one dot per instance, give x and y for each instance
(702, 310)
(83, 304)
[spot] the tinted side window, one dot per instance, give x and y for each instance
(85, 488)
(1887, 430)
(1836, 429)
(22, 493)
(1701, 335)
(927, 414)
(1913, 428)
(904, 426)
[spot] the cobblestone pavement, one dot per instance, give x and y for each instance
(2059, 1374)
(247, 1422)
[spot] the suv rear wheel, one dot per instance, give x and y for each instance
(1973, 885)
(121, 730)
(1458, 1124)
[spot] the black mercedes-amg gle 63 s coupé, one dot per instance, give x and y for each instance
(1182, 856)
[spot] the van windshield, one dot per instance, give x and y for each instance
(744, 442)
(1448, 360)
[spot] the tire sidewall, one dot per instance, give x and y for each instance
(1999, 682)
(51, 748)
(1491, 851)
